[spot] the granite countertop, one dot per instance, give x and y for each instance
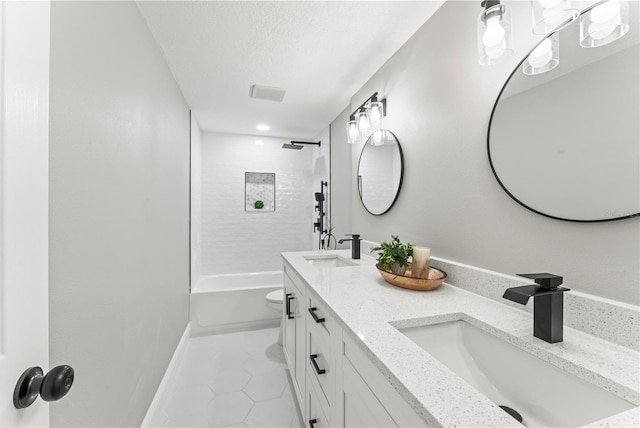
(370, 311)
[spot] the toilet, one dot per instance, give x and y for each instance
(274, 301)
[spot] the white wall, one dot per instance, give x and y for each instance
(196, 201)
(237, 241)
(439, 101)
(119, 212)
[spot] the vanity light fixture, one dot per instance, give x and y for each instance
(368, 116)
(494, 33)
(552, 15)
(604, 24)
(545, 57)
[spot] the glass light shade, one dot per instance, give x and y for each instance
(376, 112)
(363, 121)
(552, 15)
(353, 134)
(377, 138)
(604, 24)
(494, 35)
(545, 57)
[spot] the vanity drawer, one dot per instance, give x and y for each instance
(316, 415)
(319, 319)
(321, 364)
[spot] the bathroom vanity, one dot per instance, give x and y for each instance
(358, 356)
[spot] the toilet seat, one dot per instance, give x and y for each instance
(276, 296)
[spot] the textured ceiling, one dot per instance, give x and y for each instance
(320, 52)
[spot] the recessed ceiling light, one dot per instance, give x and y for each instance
(263, 127)
(259, 143)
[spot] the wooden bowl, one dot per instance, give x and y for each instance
(435, 279)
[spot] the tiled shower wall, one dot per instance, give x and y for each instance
(237, 241)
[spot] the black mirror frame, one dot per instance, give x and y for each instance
(401, 175)
(495, 174)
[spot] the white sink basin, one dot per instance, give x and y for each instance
(330, 260)
(540, 392)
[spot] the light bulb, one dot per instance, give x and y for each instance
(352, 132)
(604, 19)
(544, 57)
(541, 55)
(376, 139)
(363, 121)
(375, 112)
(606, 23)
(494, 34)
(600, 31)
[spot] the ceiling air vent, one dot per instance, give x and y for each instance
(267, 93)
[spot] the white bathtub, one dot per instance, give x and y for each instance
(230, 302)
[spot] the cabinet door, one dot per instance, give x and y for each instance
(361, 408)
(289, 327)
(300, 347)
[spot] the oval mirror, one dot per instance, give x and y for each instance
(380, 172)
(565, 143)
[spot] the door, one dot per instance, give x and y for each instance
(24, 118)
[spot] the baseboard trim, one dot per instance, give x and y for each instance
(169, 374)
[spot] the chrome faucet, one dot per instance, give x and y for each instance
(355, 245)
(547, 304)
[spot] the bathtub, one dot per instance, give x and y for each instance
(228, 302)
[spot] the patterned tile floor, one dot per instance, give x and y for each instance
(230, 380)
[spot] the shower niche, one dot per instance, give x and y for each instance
(259, 191)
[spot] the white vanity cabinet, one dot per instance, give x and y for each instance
(294, 330)
(366, 398)
(336, 384)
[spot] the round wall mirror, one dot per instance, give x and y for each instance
(380, 172)
(566, 143)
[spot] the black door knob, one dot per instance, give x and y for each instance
(52, 386)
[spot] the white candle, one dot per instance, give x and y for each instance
(420, 265)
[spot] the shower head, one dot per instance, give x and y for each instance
(298, 145)
(292, 146)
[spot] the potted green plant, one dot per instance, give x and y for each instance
(393, 256)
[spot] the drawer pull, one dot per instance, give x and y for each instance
(312, 311)
(289, 297)
(312, 422)
(315, 365)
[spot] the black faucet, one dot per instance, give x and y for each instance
(355, 245)
(547, 304)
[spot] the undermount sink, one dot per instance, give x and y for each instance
(543, 394)
(330, 260)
